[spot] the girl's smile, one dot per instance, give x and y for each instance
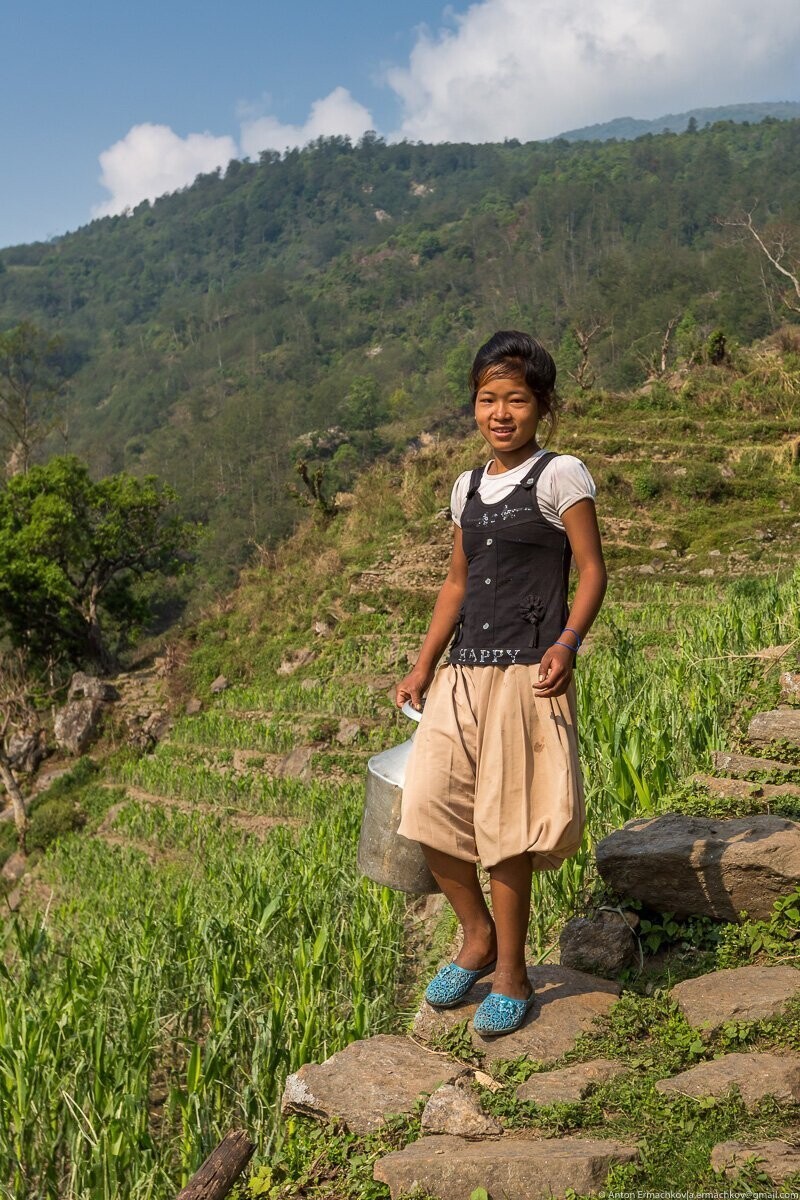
(507, 414)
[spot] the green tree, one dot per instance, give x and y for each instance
(31, 379)
(363, 407)
(74, 553)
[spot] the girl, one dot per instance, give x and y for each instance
(494, 774)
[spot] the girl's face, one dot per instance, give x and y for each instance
(507, 414)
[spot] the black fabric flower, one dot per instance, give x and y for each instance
(532, 608)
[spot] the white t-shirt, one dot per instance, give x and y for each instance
(562, 482)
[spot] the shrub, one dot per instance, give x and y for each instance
(702, 481)
(51, 820)
(646, 483)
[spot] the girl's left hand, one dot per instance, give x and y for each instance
(555, 672)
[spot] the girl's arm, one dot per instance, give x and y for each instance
(580, 522)
(443, 622)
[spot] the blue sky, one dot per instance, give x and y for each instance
(148, 94)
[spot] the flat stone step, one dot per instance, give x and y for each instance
(777, 1159)
(567, 1003)
(755, 1074)
(780, 724)
(367, 1081)
(745, 789)
(514, 1167)
(569, 1084)
(743, 764)
(697, 866)
(752, 993)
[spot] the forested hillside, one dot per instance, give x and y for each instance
(348, 286)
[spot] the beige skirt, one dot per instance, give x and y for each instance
(494, 769)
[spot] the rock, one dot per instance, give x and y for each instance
(780, 723)
(26, 750)
(566, 1004)
(14, 867)
(146, 729)
(755, 1074)
(348, 732)
(790, 687)
(90, 687)
(219, 685)
(659, 544)
(513, 1167)
(309, 683)
(193, 707)
(77, 724)
(745, 788)
(737, 994)
(777, 1159)
(296, 659)
(454, 1109)
(569, 1084)
(296, 764)
(604, 943)
(647, 569)
(698, 866)
(714, 553)
(367, 1081)
(742, 764)
(707, 571)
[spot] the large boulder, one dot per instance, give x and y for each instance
(91, 687)
(76, 725)
(26, 750)
(514, 1167)
(697, 866)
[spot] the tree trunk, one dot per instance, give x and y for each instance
(221, 1169)
(17, 803)
(98, 651)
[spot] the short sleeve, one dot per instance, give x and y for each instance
(458, 496)
(564, 481)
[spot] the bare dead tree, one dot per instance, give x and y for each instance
(584, 375)
(776, 246)
(17, 714)
(29, 388)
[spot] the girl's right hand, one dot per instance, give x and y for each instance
(413, 688)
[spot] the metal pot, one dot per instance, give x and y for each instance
(383, 855)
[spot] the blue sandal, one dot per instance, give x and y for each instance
(500, 1014)
(451, 984)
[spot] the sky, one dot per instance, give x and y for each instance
(104, 104)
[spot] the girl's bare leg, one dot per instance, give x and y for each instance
(459, 882)
(511, 903)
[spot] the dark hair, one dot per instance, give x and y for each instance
(509, 352)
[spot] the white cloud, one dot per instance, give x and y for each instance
(151, 160)
(533, 68)
(336, 113)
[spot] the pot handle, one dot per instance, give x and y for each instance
(409, 711)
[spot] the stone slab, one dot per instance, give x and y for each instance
(755, 1074)
(745, 789)
(367, 1081)
(569, 1084)
(512, 1167)
(701, 866)
(776, 1158)
(752, 993)
(780, 724)
(566, 1004)
(742, 764)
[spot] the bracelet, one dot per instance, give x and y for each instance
(572, 648)
(569, 629)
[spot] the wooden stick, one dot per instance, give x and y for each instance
(221, 1169)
